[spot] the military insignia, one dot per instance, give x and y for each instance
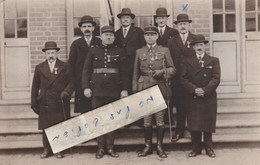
(92, 46)
(108, 58)
(201, 63)
(209, 67)
(55, 70)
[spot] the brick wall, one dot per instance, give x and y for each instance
(47, 23)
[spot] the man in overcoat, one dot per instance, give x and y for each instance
(153, 66)
(165, 32)
(180, 48)
(52, 86)
(78, 53)
(105, 78)
(129, 37)
(200, 77)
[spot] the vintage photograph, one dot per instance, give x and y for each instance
(129, 82)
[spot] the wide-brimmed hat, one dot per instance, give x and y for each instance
(107, 29)
(126, 11)
(87, 19)
(151, 29)
(182, 18)
(161, 12)
(50, 45)
(198, 39)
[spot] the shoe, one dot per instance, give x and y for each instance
(112, 153)
(210, 152)
(46, 153)
(100, 153)
(177, 137)
(193, 154)
(59, 155)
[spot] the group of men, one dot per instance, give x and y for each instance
(102, 70)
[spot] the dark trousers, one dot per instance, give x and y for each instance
(181, 114)
(108, 139)
(45, 141)
(196, 140)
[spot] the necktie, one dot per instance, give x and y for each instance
(201, 62)
(125, 30)
(183, 39)
(150, 50)
(161, 32)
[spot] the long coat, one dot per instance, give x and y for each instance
(46, 90)
(106, 84)
(201, 111)
(178, 53)
(168, 33)
(78, 53)
(146, 63)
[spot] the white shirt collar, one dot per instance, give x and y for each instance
(163, 29)
(88, 40)
(149, 46)
(185, 35)
(127, 28)
(202, 55)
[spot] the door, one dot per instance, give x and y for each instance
(251, 41)
(15, 54)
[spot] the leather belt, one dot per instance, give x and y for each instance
(150, 73)
(105, 70)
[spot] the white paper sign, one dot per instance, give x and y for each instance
(105, 119)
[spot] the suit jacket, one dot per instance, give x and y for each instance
(133, 41)
(46, 90)
(178, 53)
(202, 111)
(145, 66)
(78, 53)
(168, 33)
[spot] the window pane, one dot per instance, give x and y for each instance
(250, 5)
(217, 23)
(258, 6)
(9, 29)
(9, 7)
(21, 8)
(259, 22)
(22, 28)
(230, 23)
(145, 21)
(146, 7)
(230, 5)
(217, 4)
(250, 22)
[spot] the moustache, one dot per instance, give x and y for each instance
(51, 58)
(183, 29)
(87, 31)
(199, 49)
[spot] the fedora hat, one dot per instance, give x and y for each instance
(126, 11)
(87, 19)
(161, 12)
(50, 45)
(182, 18)
(107, 29)
(151, 29)
(198, 39)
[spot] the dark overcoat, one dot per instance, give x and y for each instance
(201, 111)
(179, 52)
(145, 66)
(106, 84)
(168, 33)
(46, 90)
(78, 53)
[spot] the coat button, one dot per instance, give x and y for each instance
(105, 57)
(205, 75)
(105, 66)
(105, 53)
(105, 74)
(105, 62)
(105, 49)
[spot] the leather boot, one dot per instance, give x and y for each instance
(160, 151)
(148, 132)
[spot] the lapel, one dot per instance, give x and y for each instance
(188, 40)
(207, 59)
(83, 42)
(166, 33)
(45, 70)
(178, 41)
(129, 34)
(94, 41)
(194, 62)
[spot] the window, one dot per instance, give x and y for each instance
(252, 15)
(224, 16)
(15, 19)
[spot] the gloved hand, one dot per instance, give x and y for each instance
(87, 93)
(123, 94)
(199, 92)
(64, 95)
(158, 73)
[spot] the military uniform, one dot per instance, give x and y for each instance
(106, 73)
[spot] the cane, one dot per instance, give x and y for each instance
(168, 99)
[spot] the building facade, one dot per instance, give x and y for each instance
(231, 26)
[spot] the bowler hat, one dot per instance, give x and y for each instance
(182, 18)
(198, 39)
(87, 19)
(107, 29)
(50, 45)
(126, 11)
(151, 29)
(161, 12)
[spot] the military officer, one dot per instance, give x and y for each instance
(200, 76)
(78, 53)
(129, 37)
(105, 79)
(165, 32)
(180, 48)
(52, 86)
(153, 66)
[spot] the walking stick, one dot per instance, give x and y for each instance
(168, 99)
